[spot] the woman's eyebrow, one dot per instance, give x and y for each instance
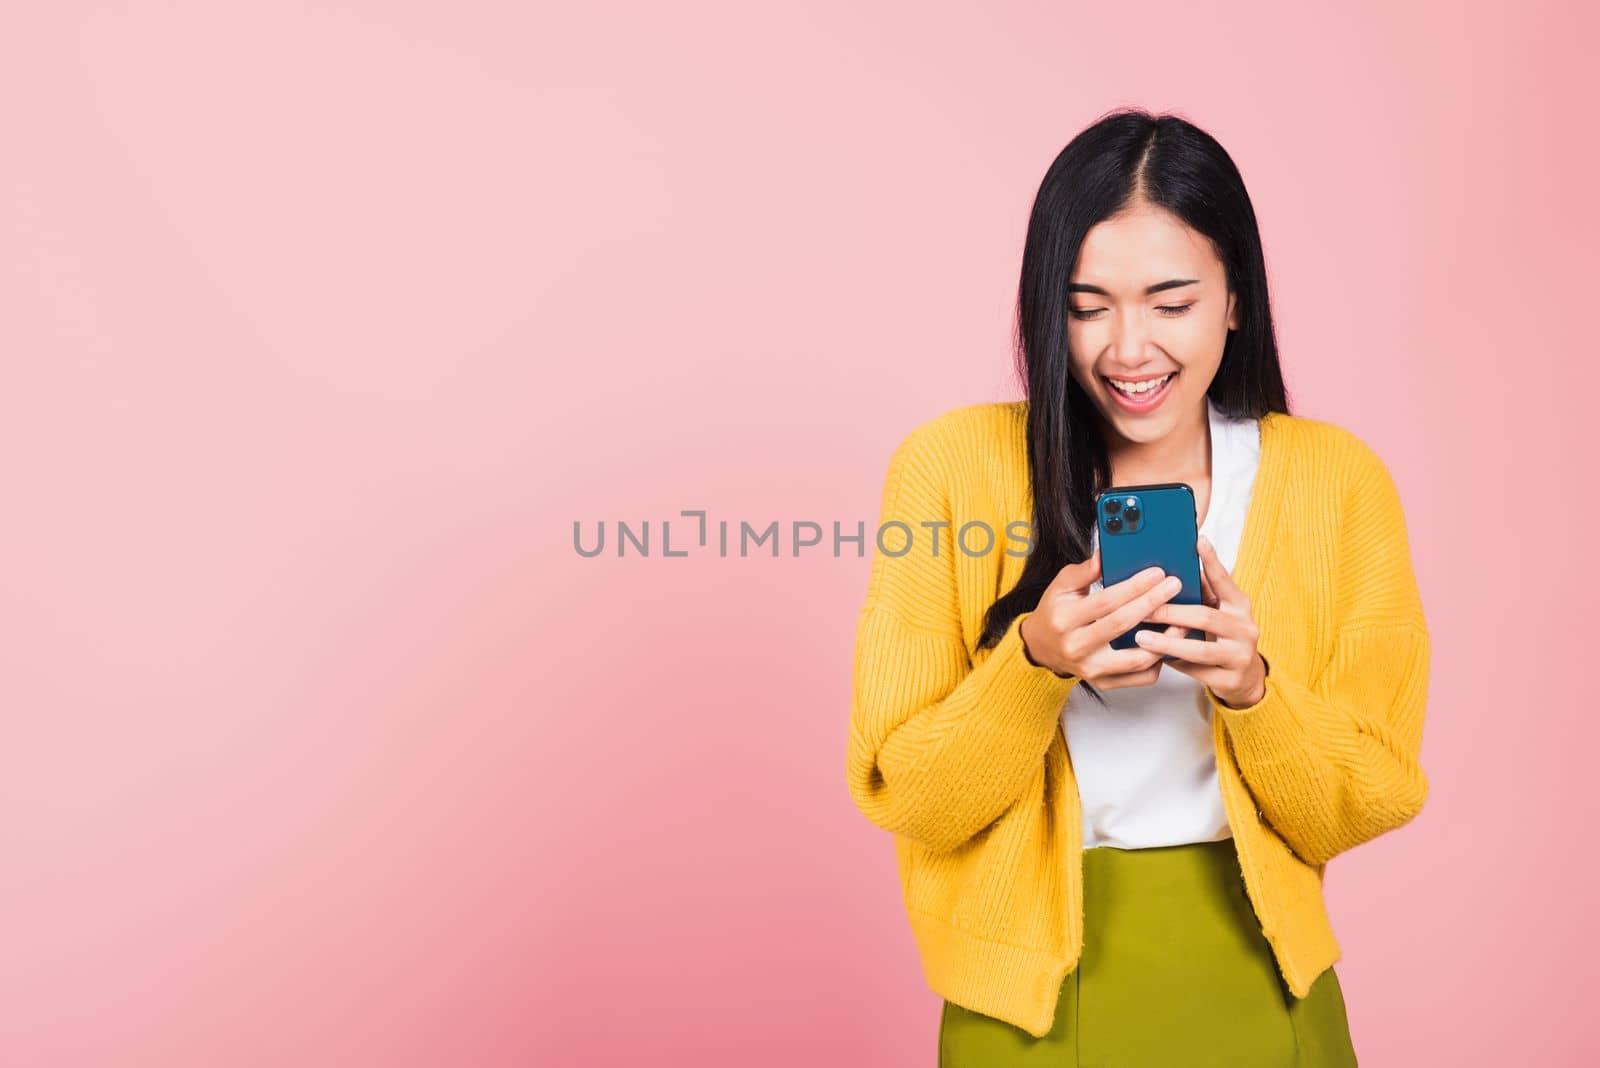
(1171, 283)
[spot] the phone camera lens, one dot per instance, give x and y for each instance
(1113, 507)
(1114, 525)
(1133, 514)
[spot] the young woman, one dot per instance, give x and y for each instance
(1116, 856)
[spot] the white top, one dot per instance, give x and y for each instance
(1145, 762)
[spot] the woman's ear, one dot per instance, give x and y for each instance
(1233, 310)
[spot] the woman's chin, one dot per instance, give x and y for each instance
(1143, 427)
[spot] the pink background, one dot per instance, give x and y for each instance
(322, 324)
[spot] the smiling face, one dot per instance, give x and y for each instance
(1150, 310)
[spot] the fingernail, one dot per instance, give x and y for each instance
(1173, 583)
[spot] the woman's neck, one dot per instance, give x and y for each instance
(1182, 455)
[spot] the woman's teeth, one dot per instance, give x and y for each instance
(1136, 389)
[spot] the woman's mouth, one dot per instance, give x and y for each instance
(1140, 396)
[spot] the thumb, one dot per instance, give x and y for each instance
(1077, 578)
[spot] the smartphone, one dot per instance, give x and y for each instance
(1145, 526)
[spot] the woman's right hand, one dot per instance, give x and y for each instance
(1070, 631)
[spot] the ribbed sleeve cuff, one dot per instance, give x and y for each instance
(1019, 682)
(938, 764)
(1269, 730)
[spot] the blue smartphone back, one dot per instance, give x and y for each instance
(1145, 526)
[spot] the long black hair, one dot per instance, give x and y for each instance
(1126, 155)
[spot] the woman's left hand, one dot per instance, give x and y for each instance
(1231, 666)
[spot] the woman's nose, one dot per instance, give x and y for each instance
(1130, 335)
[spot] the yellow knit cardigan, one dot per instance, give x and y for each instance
(959, 751)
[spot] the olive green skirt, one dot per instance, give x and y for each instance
(1175, 971)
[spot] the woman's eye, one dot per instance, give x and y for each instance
(1169, 310)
